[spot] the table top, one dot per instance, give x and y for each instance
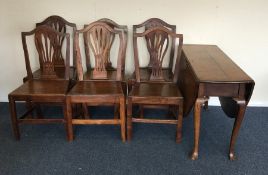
(211, 64)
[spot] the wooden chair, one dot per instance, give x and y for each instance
(145, 71)
(111, 71)
(61, 25)
(156, 91)
(98, 88)
(49, 88)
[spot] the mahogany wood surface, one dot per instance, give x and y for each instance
(205, 70)
(211, 64)
(37, 88)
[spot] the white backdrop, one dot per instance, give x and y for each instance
(239, 28)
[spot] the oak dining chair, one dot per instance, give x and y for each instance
(111, 71)
(145, 70)
(156, 90)
(95, 87)
(50, 88)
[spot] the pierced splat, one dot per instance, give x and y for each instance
(149, 25)
(47, 45)
(113, 25)
(157, 45)
(100, 41)
(159, 40)
(59, 26)
(107, 61)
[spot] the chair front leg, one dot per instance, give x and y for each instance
(123, 118)
(14, 120)
(68, 119)
(179, 126)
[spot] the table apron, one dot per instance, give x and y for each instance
(219, 89)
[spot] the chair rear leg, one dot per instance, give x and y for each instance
(68, 119)
(116, 115)
(141, 111)
(85, 111)
(129, 119)
(39, 111)
(29, 107)
(123, 118)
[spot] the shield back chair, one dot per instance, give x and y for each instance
(156, 91)
(49, 88)
(98, 89)
(61, 25)
(111, 71)
(145, 71)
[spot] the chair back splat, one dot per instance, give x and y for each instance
(154, 85)
(157, 40)
(98, 38)
(50, 87)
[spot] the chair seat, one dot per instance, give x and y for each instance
(109, 88)
(156, 90)
(50, 88)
